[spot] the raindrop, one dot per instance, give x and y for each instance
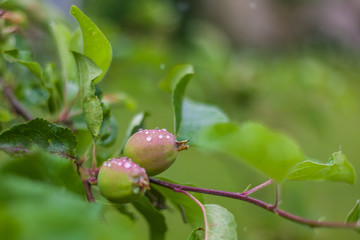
(156, 128)
(119, 163)
(146, 132)
(163, 129)
(140, 130)
(161, 136)
(136, 189)
(148, 139)
(127, 165)
(105, 164)
(109, 165)
(167, 136)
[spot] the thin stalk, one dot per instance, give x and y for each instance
(268, 182)
(89, 195)
(14, 103)
(259, 203)
(200, 205)
(94, 156)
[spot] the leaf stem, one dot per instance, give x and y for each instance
(200, 205)
(269, 207)
(94, 162)
(268, 182)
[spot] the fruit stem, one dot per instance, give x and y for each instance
(182, 145)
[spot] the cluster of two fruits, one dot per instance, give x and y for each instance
(147, 152)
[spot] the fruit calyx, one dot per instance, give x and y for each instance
(181, 145)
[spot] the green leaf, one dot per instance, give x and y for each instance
(92, 110)
(270, 152)
(221, 224)
(338, 169)
(197, 234)
(5, 115)
(96, 46)
(28, 206)
(51, 137)
(183, 203)
(155, 219)
(177, 81)
(62, 37)
(108, 129)
(93, 114)
(39, 165)
(24, 58)
(197, 116)
(354, 215)
(136, 123)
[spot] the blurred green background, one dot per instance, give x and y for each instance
(291, 65)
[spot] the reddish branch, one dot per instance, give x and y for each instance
(269, 207)
(14, 103)
(89, 195)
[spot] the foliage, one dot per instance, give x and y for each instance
(48, 174)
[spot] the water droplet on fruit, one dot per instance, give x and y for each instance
(119, 163)
(156, 128)
(148, 139)
(161, 136)
(146, 132)
(136, 189)
(105, 164)
(127, 165)
(163, 129)
(140, 130)
(109, 165)
(167, 136)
